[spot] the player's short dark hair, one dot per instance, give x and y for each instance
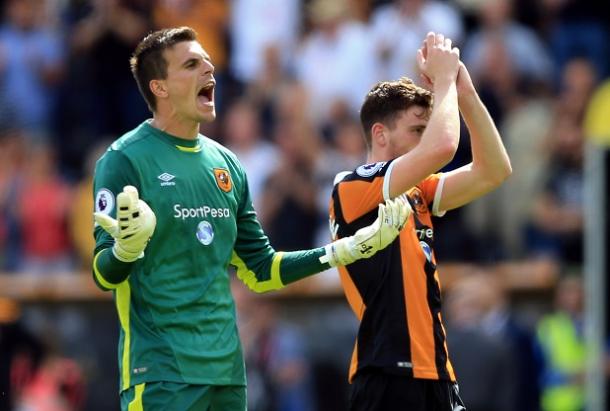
(387, 100)
(148, 63)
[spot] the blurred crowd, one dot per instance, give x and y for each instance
(291, 75)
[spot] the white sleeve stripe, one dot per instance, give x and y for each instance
(340, 176)
(386, 181)
(437, 198)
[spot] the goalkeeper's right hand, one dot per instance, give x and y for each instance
(133, 227)
(368, 240)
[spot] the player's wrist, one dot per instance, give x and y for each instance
(443, 82)
(468, 97)
(340, 252)
(126, 255)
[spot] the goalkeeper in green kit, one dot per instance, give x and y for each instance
(172, 212)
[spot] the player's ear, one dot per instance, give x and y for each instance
(378, 136)
(159, 88)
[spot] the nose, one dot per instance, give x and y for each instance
(208, 68)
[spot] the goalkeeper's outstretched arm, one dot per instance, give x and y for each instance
(281, 268)
(258, 265)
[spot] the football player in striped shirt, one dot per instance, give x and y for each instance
(400, 358)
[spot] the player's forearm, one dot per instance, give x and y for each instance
(442, 134)
(437, 146)
(489, 157)
(109, 271)
(296, 265)
(280, 269)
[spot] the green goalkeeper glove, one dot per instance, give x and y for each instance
(368, 240)
(133, 227)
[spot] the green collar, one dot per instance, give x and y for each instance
(182, 144)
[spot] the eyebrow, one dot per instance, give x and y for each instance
(189, 61)
(196, 59)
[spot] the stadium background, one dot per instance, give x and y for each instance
(291, 75)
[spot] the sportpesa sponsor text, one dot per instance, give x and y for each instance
(199, 212)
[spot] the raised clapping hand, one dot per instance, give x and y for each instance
(464, 81)
(438, 60)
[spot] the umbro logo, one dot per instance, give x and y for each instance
(166, 179)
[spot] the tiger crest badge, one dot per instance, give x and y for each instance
(223, 179)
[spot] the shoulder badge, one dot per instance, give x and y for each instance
(368, 170)
(104, 201)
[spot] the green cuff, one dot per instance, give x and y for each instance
(296, 265)
(109, 271)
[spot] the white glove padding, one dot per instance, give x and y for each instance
(370, 239)
(133, 227)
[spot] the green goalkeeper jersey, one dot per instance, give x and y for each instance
(176, 312)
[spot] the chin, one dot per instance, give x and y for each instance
(208, 117)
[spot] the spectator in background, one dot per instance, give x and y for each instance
(57, 385)
(561, 336)
(530, 132)
(398, 27)
(209, 18)
(278, 371)
(12, 153)
(335, 63)
(578, 81)
(43, 202)
(577, 28)
(31, 66)
(280, 99)
(242, 134)
(79, 222)
(526, 130)
(259, 28)
(524, 49)
(100, 97)
(482, 361)
(499, 321)
(20, 353)
(290, 192)
(556, 228)
(271, 89)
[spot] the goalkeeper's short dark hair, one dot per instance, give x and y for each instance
(148, 63)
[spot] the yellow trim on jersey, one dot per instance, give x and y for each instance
(98, 275)
(136, 403)
(195, 149)
(248, 276)
(123, 301)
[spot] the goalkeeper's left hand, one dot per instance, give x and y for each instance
(133, 227)
(368, 240)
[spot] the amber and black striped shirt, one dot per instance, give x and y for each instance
(396, 293)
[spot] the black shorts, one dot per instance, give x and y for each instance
(374, 391)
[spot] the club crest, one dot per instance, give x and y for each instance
(418, 203)
(223, 179)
